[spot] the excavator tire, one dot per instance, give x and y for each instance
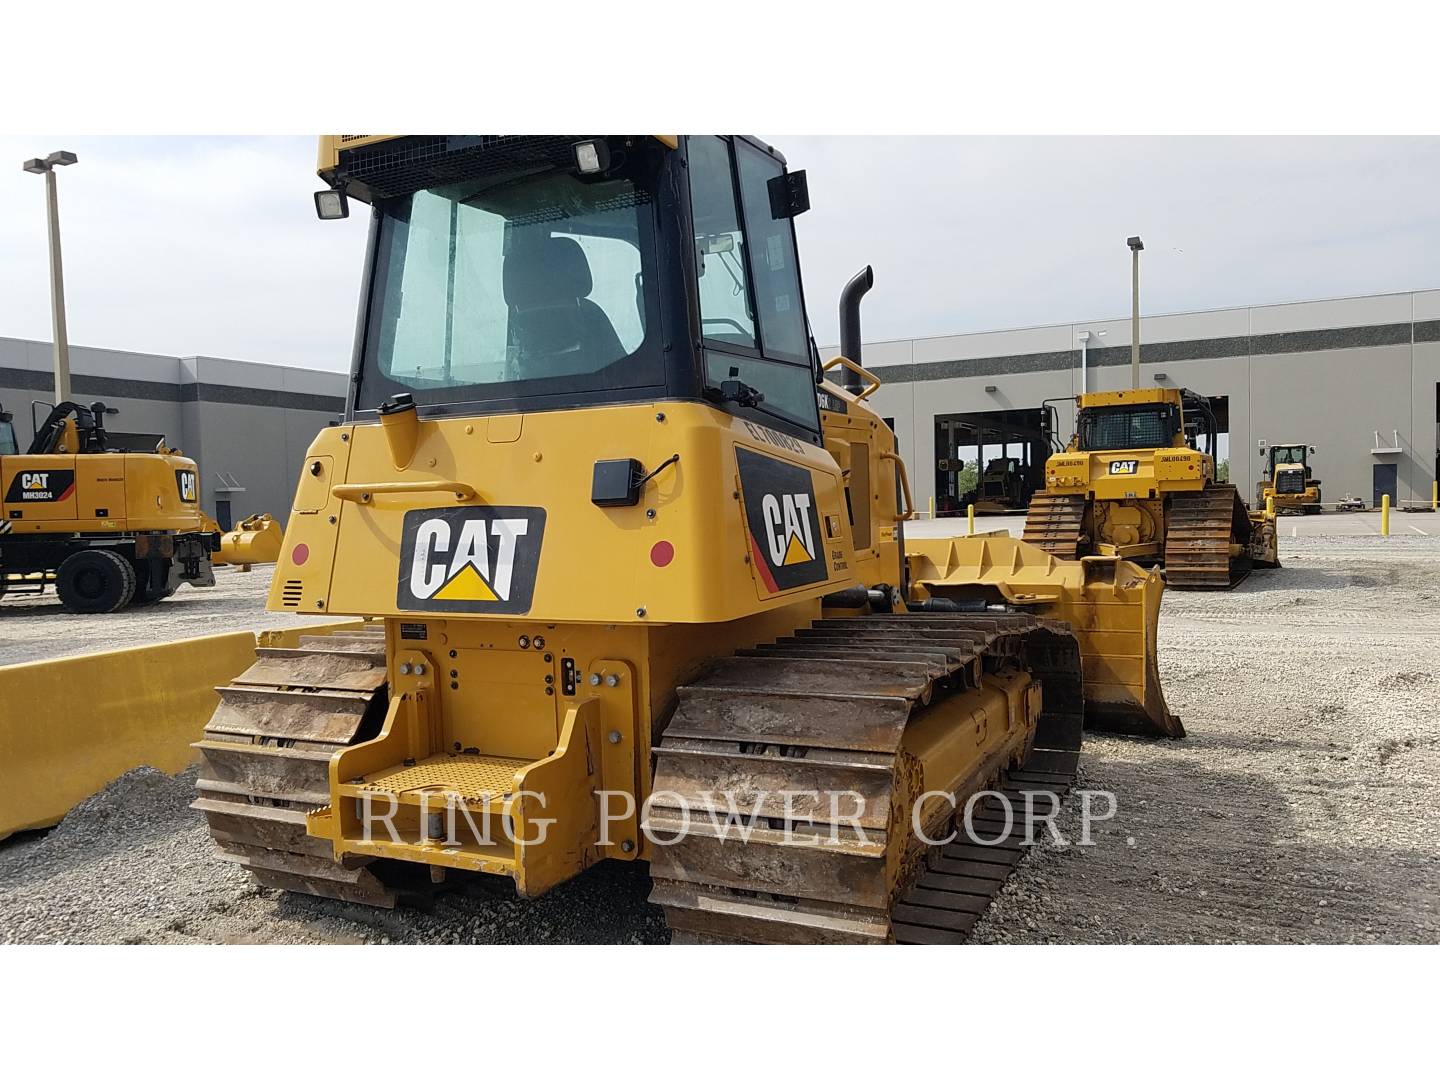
(265, 761)
(1056, 524)
(95, 581)
(1202, 527)
(821, 713)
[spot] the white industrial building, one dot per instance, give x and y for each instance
(1358, 378)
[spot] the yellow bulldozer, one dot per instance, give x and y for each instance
(1289, 479)
(109, 518)
(636, 575)
(1138, 481)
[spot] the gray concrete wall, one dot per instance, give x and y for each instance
(1328, 372)
(252, 421)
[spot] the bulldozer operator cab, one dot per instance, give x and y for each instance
(543, 272)
(1147, 426)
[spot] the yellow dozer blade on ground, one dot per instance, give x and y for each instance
(1112, 605)
(68, 727)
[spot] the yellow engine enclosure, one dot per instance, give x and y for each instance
(566, 697)
(100, 493)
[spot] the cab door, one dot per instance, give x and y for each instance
(39, 487)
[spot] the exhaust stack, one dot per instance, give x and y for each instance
(850, 297)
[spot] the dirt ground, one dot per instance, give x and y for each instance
(1299, 809)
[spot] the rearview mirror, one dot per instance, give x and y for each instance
(789, 195)
(717, 244)
(1312, 450)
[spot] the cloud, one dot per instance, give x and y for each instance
(211, 246)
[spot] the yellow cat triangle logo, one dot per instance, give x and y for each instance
(467, 584)
(796, 553)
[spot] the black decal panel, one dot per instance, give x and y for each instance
(41, 486)
(188, 484)
(783, 522)
(470, 558)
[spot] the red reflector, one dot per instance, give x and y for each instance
(300, 554)
(662, 553)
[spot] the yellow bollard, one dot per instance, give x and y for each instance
(970, 520)
(932, 507)
(1384, 515)
(1434, 495)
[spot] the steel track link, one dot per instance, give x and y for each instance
(265, 760)
(822, 712)
(1056, 524)
(1202, 525)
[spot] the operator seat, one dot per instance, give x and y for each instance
(555, 330)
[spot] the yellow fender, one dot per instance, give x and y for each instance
(71, 726)
(1112, 605)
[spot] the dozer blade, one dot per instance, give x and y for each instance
(151, 702)
(1112, 605)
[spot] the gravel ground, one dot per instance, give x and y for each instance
(38, 628)
(1298, 810)
(1301, 806)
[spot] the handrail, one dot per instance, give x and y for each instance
(888, 455)
(363, 493)
(850, 365)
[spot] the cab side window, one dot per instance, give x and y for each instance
(726, 312)
(751, 311)
(772, 258)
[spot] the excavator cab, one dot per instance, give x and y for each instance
(8, 445)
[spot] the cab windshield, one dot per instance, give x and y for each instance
(513, 287)
(1290, 455)
(1128, 427)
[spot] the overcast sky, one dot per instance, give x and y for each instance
(210, 246)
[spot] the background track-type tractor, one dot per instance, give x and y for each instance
(1289, 479)
(1138, 481)
(636, 565)
(111, 518)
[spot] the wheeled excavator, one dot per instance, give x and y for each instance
(110, 520)
(636, 576)
(1137, 480)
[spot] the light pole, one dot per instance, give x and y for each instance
(46, 166)
(1135, 248)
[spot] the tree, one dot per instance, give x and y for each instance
(1222, 471)
(967, 479)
